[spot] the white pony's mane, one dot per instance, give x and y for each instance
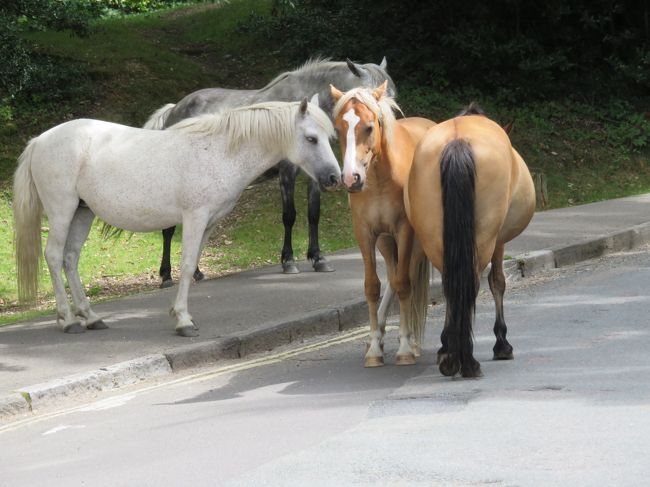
(270, 123)
(384, 108)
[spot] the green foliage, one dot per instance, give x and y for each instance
(527, 49)
(136, 6)
(23, 71)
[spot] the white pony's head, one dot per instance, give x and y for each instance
(310, 148)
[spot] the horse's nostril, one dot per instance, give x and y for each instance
(357, 178)
(334, 179)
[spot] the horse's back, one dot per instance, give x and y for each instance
(208, 100)
(416, 126)
(493, 159)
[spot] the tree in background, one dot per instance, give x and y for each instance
(22, 69)
(527, 49)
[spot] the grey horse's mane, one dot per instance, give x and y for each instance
(271, 123)
(313, 65)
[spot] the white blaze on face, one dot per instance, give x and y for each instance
(350, 156)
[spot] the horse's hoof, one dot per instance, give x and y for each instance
(471, 370)
(73, 328)
(188, 331)
(97, 325)
(442, 353)
(290, 267)
(405, 359)
(417, 351)
(447, 366)
(369, 362)
(166, 283)
(198, 275)
(322, 265)
(503, 355)
(503, 352)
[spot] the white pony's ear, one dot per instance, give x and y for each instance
(314, 99)
(303, 106)
(384, 64)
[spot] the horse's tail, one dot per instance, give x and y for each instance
(27, 209)
(460, 267)
(158, 118)
(417, 313)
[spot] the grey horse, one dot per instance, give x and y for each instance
(314, 77)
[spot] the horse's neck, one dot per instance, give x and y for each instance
(250, 160)
(394, 162)
(296, 86)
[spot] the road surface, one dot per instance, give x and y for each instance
(573, 408)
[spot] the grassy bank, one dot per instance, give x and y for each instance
(129, 66)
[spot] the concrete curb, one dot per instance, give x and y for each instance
(298, 327)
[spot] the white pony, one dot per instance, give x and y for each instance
(87, 168)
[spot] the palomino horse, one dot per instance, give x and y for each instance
(469, 192)
(143, 180)
(378, 151)
(313, 77)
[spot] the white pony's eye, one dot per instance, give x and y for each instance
(312, 140)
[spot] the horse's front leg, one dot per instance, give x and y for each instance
(401, 283)
(372, 286)
(287, 184)
(194, 235)
(497, 280)
(319, 262)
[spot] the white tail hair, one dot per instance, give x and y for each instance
(158, 118)
(27, 227)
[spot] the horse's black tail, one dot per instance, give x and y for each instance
(460, 266)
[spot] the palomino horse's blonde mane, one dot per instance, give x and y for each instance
(384, 108)
(270, 123)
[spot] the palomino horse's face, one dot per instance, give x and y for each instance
(311, 150)
(359, 131)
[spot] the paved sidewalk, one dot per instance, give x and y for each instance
(261, 309)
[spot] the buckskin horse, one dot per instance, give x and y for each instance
(469, 192)
(377, 154)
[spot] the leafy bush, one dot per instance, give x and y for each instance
(136, 6)
(22, 72)
(528, 49)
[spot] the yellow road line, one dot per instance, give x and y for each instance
(203, 376)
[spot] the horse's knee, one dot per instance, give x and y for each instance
(70, 261)
(372, 289)
(402, 287)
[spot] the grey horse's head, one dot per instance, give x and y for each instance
(372, 75)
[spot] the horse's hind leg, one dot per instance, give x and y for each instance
(59, 225)
(319, 262)
(502, 349)
(165, 263)
(77, 235)
(287, 185)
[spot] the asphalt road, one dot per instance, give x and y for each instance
(573, 408)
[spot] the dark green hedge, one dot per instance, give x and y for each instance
(520, 48)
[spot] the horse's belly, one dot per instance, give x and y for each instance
(133, 214)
